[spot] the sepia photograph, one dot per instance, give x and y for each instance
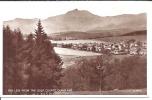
(78, 48)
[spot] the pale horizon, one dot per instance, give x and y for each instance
(80, 10)
(43, 10)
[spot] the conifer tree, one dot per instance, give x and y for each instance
(46, 64)
(40, 34)
(12, 42)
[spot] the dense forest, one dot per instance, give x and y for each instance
(105, 73)
(29, 63)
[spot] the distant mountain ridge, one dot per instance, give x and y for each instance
(83, 21)
(85, 35)
(142, 32)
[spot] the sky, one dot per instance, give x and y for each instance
(30, 10)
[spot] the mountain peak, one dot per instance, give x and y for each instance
(77, 12)
(73, 11)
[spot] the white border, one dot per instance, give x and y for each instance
(148, 9)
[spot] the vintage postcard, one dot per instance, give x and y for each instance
(75, 48)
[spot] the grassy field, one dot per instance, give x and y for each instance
(71, 52)
(70, 56)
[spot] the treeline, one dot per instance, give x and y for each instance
(77, 35)
(29, 63)
(106, 73)
(141, 32)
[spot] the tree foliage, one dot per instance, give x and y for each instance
(87, 74)
(125, 73)
(30, 63)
